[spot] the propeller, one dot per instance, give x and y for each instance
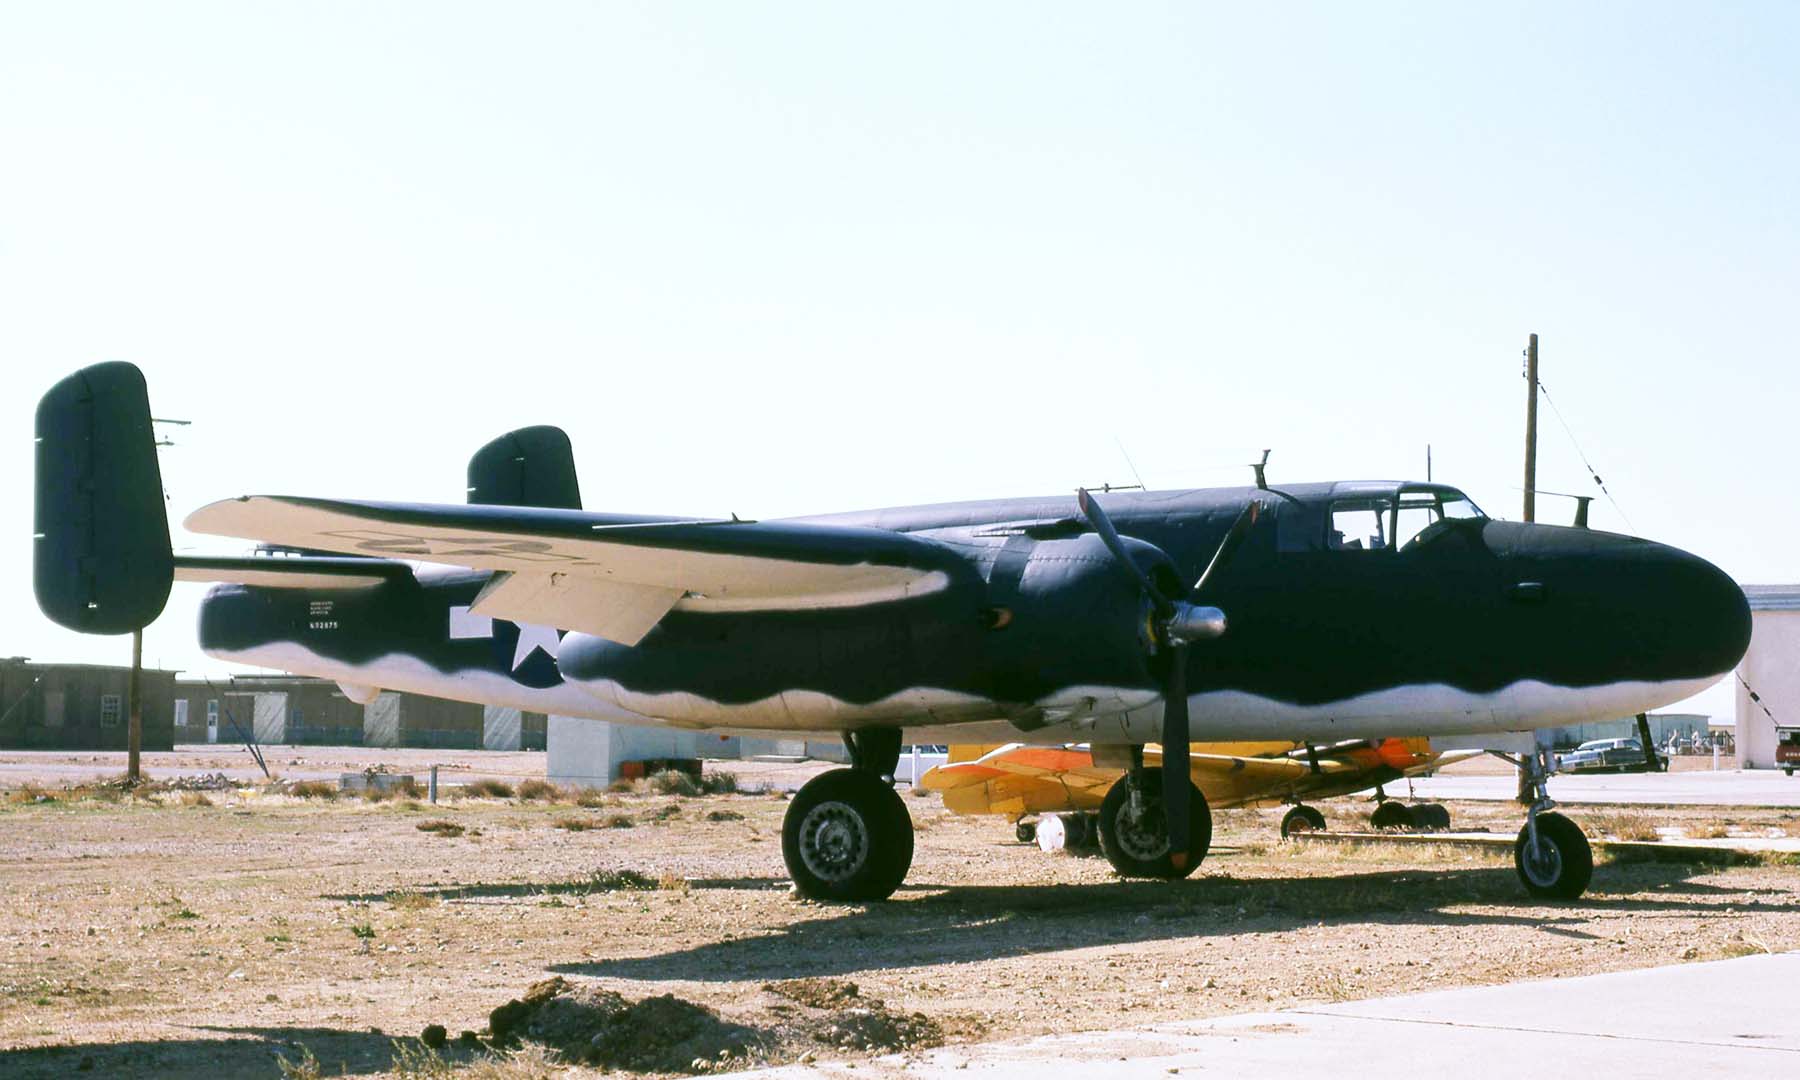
(1174, 623)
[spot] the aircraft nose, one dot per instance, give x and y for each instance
(1655, 611)
(1690, 615)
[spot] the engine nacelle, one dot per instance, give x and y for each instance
(1056, 601)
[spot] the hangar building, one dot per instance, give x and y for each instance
(80, 706)
(1772, 669)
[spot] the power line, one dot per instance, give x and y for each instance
(1544, 390)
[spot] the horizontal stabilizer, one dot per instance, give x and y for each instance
(306, 572)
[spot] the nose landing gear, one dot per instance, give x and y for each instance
(1552, 854)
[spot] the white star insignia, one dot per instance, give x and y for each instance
(532, 638)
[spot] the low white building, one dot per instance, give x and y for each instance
(1772, 668)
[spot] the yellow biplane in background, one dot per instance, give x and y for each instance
(1063, 787)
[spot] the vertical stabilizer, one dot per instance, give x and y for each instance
(101, 561)
(532, 466)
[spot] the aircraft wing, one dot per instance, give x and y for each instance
(613, 575)
(1017, 779)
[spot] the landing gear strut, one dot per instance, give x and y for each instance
(1133, 831)
(1552, 855)
(847, 834)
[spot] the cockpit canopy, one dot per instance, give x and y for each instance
(1375, 516)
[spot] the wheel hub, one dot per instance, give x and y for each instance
(834, 841)
(1142, 833)
(1542, 863)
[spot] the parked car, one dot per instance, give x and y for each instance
(1787, 750)
(1607, 755)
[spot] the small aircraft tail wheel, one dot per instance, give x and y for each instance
(847, 836)
(1026, 832)
(1560, 865)
(1392, 815)
(1431, 816)
(1136, 842)
(1302, 819)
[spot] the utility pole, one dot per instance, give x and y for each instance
(1531, 380)
(1526, 792)
(134, 731)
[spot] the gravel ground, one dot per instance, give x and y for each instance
(171, 937)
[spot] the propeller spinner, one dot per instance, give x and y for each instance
(1174, 623)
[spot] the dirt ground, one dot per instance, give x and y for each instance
(167, 936)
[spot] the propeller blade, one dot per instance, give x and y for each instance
(1228, 546)
(1110, 537)
(1176, 781)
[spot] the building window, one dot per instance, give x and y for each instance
(109, 710)
(181, 712)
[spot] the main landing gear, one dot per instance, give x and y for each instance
(1133, 832)
(847, 835)
(1552, 854)
(1301, 819)
(1394, 814)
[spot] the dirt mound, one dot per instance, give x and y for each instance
(815, 993)
(598, 1027)
(592, 1026)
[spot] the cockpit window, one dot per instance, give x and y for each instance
(1421, 514)
(1359, 524)
(1385, 523)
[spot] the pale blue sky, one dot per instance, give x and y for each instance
(784, 258)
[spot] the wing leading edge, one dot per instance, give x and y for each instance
(608, 574)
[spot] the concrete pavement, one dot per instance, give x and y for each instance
(1727, 787)
(1725, 1018)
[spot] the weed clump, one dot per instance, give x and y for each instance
(440, 827)
(313, 789)
(573, 823)
(619, 821)
(673, 782)
(539, 791)
(719, 783)
(487, 789)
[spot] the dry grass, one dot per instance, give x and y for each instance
(411, 900)
(29, 793)
(194, 798)
(724, 815)
(487, 789)
(573, 823)
(672, 782)
(314, 789)
(440, 827)
(668, 882)
(719, 783)
(540, 791)
(1625, 825)
(620, 821)
(591, 799)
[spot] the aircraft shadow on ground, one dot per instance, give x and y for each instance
(230, 1051)
(962, 923)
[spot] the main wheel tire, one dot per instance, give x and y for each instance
(1301, 819)
(1138, 846)
(1392, 814)
(1563, 862)
(1431, 816)
(847, 836)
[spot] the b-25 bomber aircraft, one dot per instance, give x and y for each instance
(1313, 612)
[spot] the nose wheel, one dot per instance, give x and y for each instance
(1552, 854)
